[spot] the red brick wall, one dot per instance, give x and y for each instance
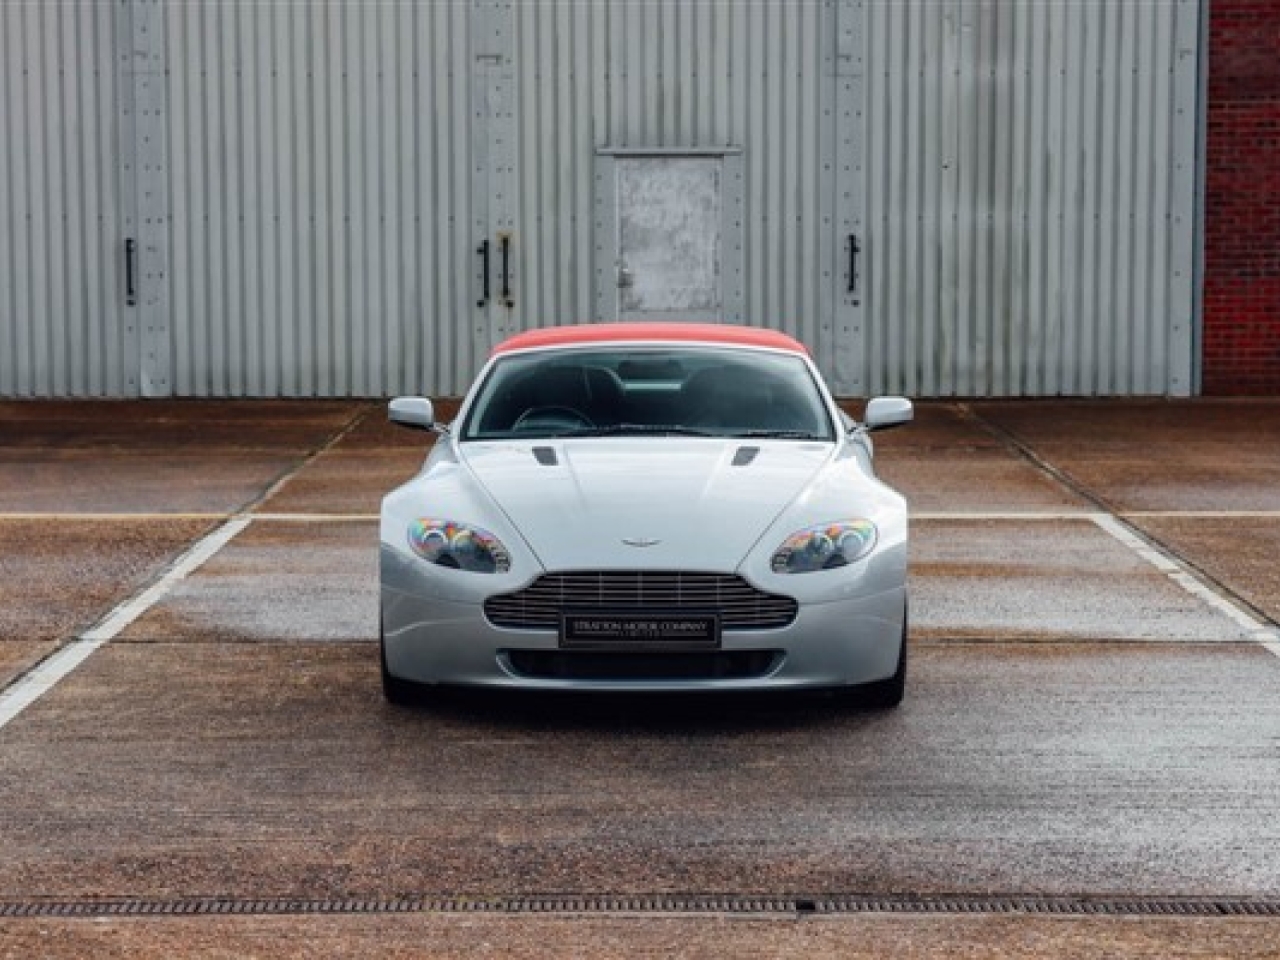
(1242, 202)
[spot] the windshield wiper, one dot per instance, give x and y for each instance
(780, 434)
(622, 429)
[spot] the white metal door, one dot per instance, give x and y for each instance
(668, 236)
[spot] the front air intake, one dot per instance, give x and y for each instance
(739, 605)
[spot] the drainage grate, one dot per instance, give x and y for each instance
(662, 904)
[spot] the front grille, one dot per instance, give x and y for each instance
(739, 605)
(720, 665)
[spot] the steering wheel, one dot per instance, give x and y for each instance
(553, 418)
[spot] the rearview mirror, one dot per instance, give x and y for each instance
(414, 412)
(885, 412)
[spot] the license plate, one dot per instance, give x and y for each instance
(656, 631)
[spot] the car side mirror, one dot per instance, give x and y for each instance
(417, 413)
(885, 412)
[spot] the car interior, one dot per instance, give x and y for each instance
(564, 397)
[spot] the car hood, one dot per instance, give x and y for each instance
(656, 504)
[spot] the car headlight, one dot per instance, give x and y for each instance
(459, 546)
(825, 547)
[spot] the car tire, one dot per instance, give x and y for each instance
(889, 692)
(398, 691)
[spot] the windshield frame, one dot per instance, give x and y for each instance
(785, 366)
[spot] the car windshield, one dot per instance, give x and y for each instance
(649, 391)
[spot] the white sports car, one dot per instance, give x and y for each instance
(646, 507)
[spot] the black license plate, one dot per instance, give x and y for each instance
(597, 630)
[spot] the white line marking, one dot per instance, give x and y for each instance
(41, 680)
(1263, 633)
(283, 480)
(30, 688)
(45, 675)
(1202, 514)
(54, 517)
(1257, 630)
(110, 626)
(1161, 561)
(1041, 517)
(315, 517)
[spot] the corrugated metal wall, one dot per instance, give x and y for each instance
(675, 74)
(310, 182)
(320, 189)
(1031, 197)
(333, 168)
(61, 327)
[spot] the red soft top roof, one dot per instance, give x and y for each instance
(588, 333)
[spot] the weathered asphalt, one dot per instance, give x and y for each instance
(1242, 553)
(1077, 722)
(948, 461)
(293, 580)
(1155, 454)
(183, 770)
(173, 457)
(1014, 579)
(57, 578)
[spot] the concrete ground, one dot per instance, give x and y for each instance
(1092, 724)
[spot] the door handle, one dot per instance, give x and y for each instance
(130, 288)
(483, 251)
(854, 250)
(505, 239)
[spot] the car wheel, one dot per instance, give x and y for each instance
(401, 692)
(886, 693)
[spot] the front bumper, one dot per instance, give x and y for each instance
(844, 642)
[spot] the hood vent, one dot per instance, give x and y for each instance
(744, 456)
(546, 456)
